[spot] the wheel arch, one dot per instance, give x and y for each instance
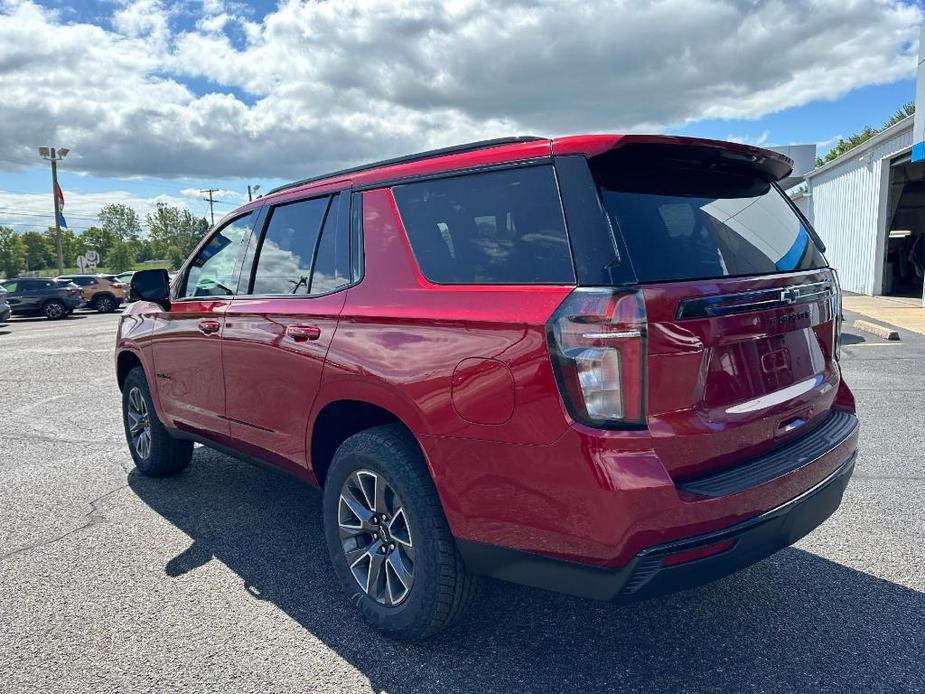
(337, 420)
(125, 362)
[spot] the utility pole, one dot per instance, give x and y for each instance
(209, 191)
(54, 156)
(252, 191)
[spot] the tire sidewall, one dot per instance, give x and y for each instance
(414, 611)
(49, 304)
(104, 304)
(136, 379)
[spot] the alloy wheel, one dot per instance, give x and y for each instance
(139, 425)
(104, 304)
(375, 534)
(54, 310)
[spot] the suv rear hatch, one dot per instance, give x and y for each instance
(740, 304)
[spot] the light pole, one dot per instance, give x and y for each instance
(54, 156)
(252, 191)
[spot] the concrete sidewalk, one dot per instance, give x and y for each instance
(900, 312)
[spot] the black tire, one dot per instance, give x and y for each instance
(442, 589)
(163, 455)
(103, 303)
(54, 309)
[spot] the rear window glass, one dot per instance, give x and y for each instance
(500, 227)
(685, 222)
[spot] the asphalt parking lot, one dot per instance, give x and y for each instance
(217, 580)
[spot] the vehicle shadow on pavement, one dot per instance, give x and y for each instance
(793, 622)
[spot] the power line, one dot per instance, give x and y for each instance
(28, 226)
(30, 213)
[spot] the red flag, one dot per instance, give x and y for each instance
(61, 220)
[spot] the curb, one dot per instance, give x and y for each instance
(878, 330)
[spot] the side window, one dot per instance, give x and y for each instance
(332, 263)
(499, 227)
(10, 286)
(213, 270)
(284, 258)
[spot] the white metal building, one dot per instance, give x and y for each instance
(868, 205)
(854, 201)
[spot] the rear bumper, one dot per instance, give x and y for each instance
(647, 574)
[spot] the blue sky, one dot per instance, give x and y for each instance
(221, 94)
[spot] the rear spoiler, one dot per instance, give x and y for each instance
(772, 166)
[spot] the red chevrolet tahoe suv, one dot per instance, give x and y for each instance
(604, 365)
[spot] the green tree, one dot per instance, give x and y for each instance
(39, 253)
(120, 221)
(71, 246)
(12, 252)
(174, 232)
(846, 145)
(120, 256)
(99, 240)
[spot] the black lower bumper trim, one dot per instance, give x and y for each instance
(647, 575)
(837, 427)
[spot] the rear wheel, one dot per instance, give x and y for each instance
(54, 309)
(388, 539)
(156, 453)
(104, 304)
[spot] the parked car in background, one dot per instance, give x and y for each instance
(5, 310)
(125, 278)
(100, 293)
(605, 365)
(42, 296)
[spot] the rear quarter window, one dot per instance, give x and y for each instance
(498, 227)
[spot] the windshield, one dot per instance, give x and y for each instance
(683, 222)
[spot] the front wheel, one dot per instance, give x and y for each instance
(156, 453)
(388, 539)
(54, 310)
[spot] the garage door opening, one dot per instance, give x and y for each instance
(904, 261)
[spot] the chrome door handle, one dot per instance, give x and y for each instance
(301, 333)
(209, 326)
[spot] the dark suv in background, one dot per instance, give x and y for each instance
(40, 296)
(5, 310)
(605, 365)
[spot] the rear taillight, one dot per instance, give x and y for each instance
(119, 285)
(597, 342)
(836, 315)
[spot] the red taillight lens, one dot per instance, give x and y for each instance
(837, 315)
(597, 342)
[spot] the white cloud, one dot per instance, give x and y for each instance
(762, 140)
(33, 211)
(233, 196)
(329, 83)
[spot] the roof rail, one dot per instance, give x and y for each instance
(408, 158)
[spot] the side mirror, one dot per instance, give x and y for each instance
(151, 285)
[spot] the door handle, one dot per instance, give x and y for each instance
(301, 333)
(209, 326)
